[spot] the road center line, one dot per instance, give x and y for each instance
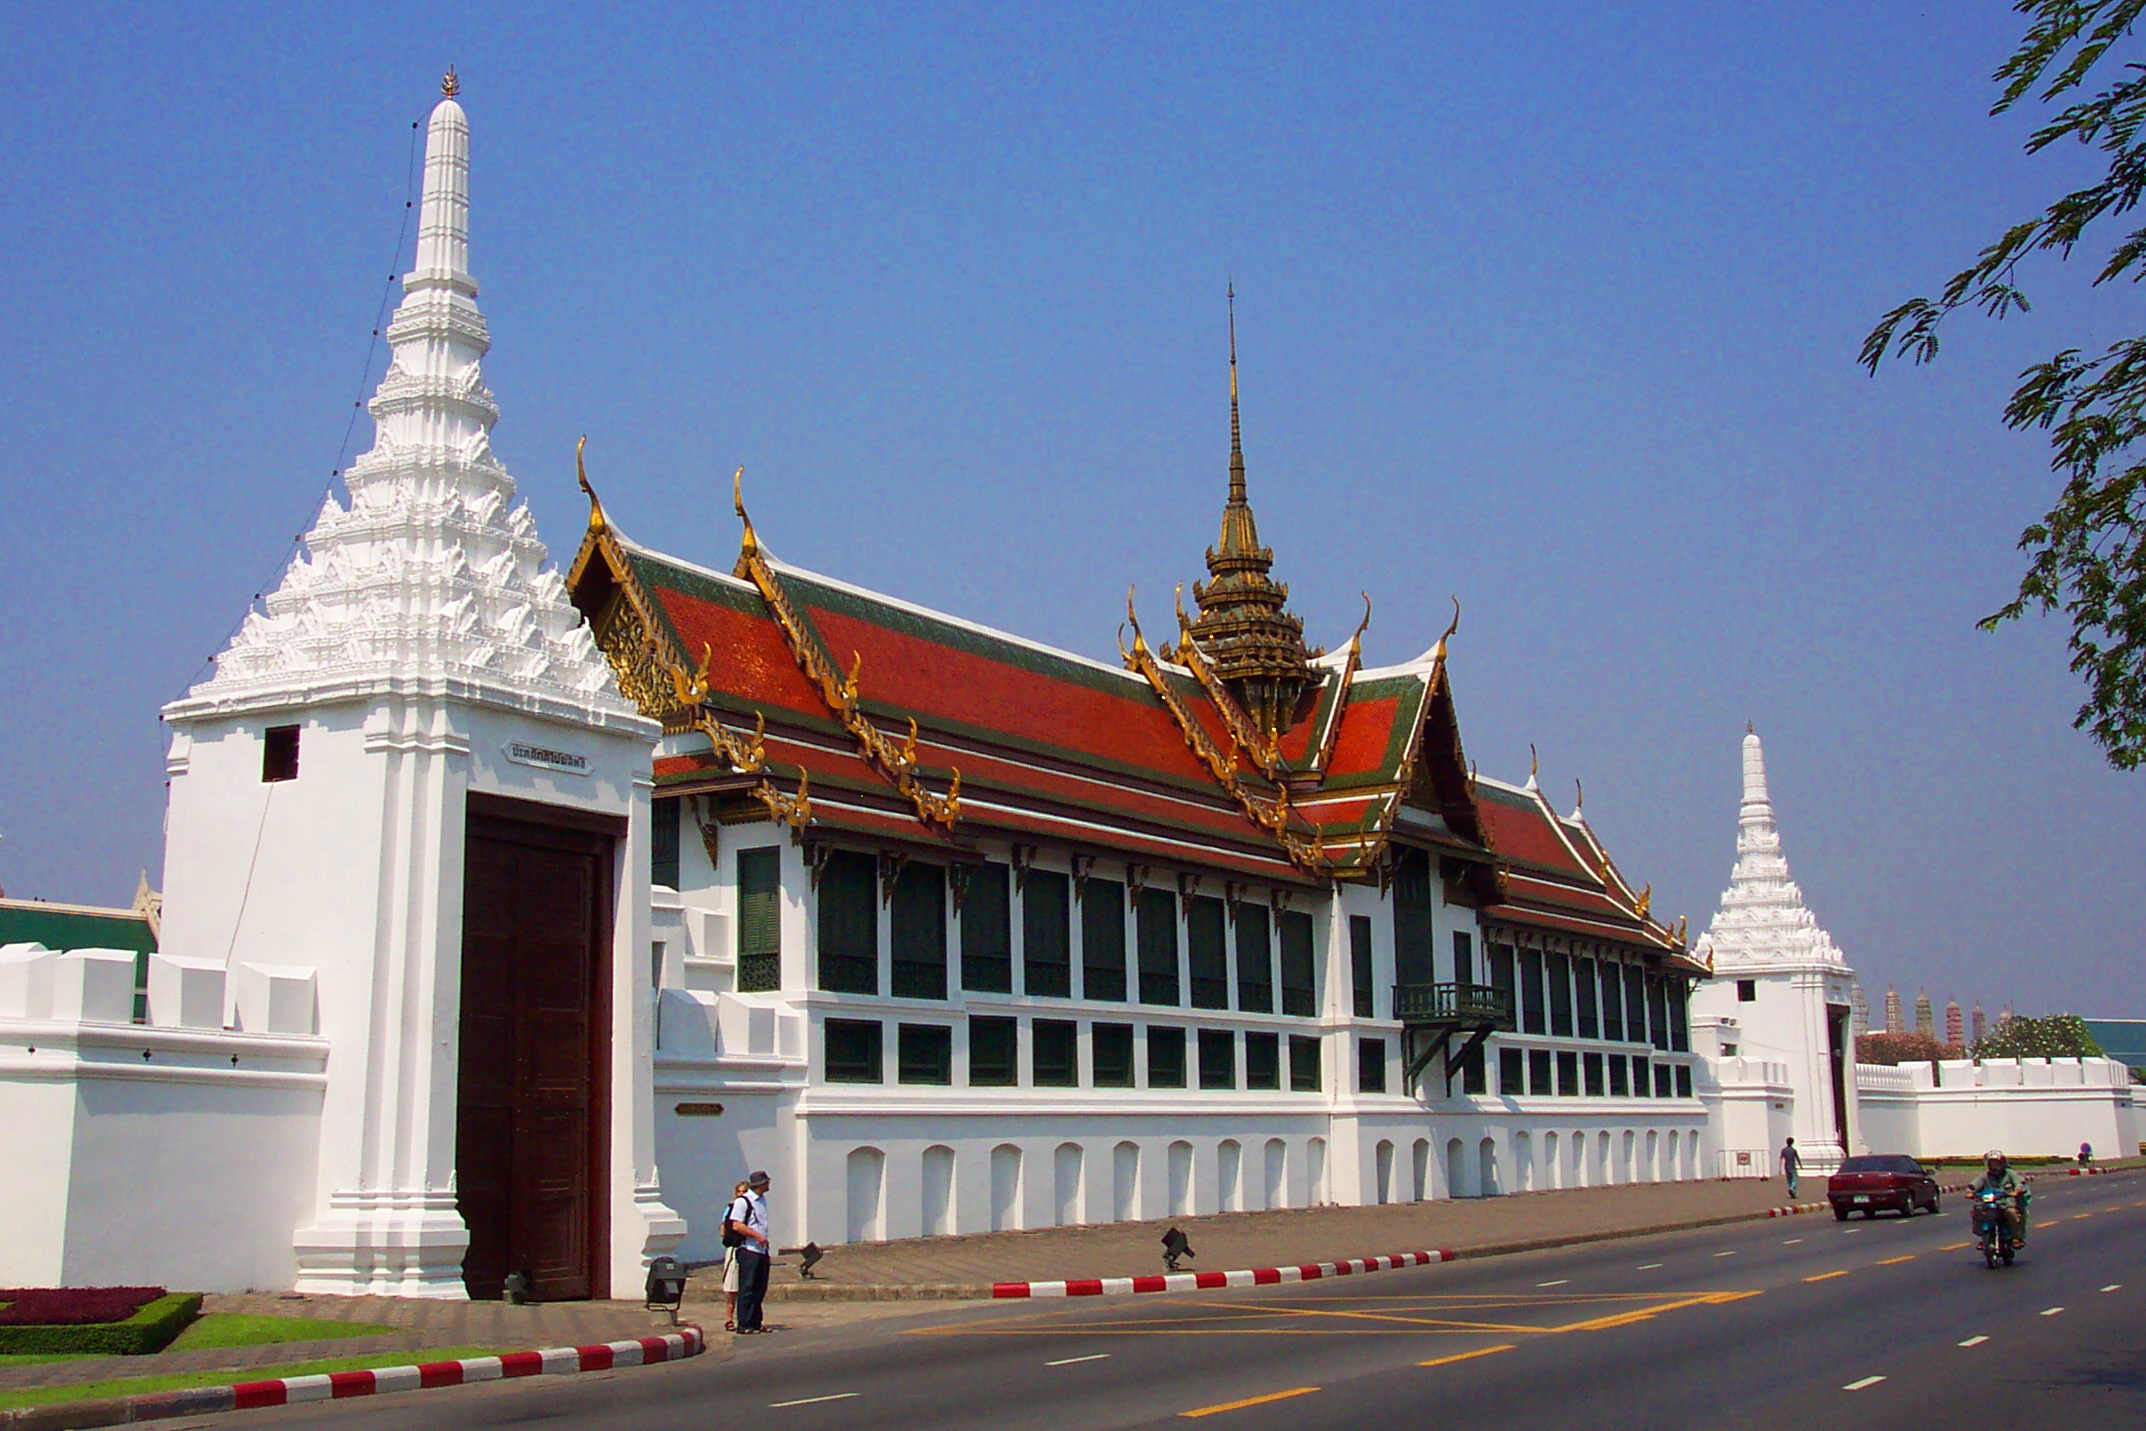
(1558, 1283)
(814, 1400)
(1648, 1266)
(1462, 1356)
(2050, 1311)
(2112, 1286)
(1250, 1401)
(1954, 1246)
(1974, 1341)
(1824, 1275)
(1859, 1385)
(1069, 1360)
(1894, 1261)
(1730, 1253)
(1791, 1242)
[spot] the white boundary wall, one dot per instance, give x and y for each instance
(2028, 1107)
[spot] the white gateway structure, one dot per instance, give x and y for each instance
(1776, 1014)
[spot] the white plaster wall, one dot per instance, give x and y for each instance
(2029, 1108)
(1784, 1025)
(37, 1110)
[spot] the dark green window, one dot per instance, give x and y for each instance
(1635, 1004)
(663, 842)
(1111, 1046)
(1463, 957)
(1591, 1068)
(1664, 1080)
(1371, 1065)
(1532, 1018)
(1055, 1053)
(1561, 995)
(1642, 1078)
(1166, 1057)
(1361, 989)
(1299, 994)
(1303, 1064)
(1512, 1072)
(1047, 935)
(1619, 1087)
(760, 920)
(853, 1051)
(1473, 1075)
(1658, 1012)
(919, 915)
(1679, 1016)
(1539, 1064)
(1613, 1002)
(987, 932)
(1262, 1060)
(849, 924)
(1501, 979)
(1158, 947)
(1568, 1075)
(924, 1053)
(1218, 1058)
(1413, 935)
(1683, 1081)
(1584, 981)
(1205, 936)
(1255, 960)
(1102, 940)
(993, 1047)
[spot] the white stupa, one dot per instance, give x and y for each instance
(1781, 992)
(1762, 919)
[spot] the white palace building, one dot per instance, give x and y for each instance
(512, 912)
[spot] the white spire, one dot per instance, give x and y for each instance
(433, 572)
(1762, 919)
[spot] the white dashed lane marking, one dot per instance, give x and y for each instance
(1859, 1385)
(1558, 1283)
(1730, 1253)
(1974, 1341)
(2051, 1311)
(813, 1400)
(1648, 1266)
(1069, 1360)
(2112, 1286)
(1791, 1242)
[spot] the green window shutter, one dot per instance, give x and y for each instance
(1102, 939)
(1303, 1064)
(1111, 1047)
(992, 1047)
(849, 924)
(1047, 935)
(1262, 1060)
(1361, 989)
(1158, 947)
(924, 1053)
(987, 932)
(1255, 960)
(663, 842)
(1218, 1058)
(1371, 1065)
(759, 925)
(1056, 1053)
(1299, 975)
(1166, 1057)
(854, 1051)
(1205, 933)
(919, 932)
(1413, 932)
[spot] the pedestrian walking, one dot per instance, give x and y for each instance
(747, 1221)
(730, 1266)
(1791, 1166)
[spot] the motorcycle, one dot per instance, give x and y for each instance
(1989, 1228)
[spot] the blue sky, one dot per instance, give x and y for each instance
(1552, 308)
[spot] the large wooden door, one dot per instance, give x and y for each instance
(529, 1137)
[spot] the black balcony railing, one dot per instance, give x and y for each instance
(1460, 1005)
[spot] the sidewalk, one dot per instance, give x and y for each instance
(967, 1266)
(420, 1324)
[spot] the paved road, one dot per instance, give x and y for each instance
(1757, 1325)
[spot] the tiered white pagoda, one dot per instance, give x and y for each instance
(1781, 991)
(419, 659)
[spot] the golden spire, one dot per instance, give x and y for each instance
(450, 83)
(1236, 430)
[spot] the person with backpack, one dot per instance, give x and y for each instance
(747, 1223)
(730, 1265)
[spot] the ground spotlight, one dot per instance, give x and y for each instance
(1175, 1245)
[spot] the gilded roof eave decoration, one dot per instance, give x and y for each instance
(1272, 814)
(653, 672)
(898, 765)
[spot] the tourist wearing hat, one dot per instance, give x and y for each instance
(747, 1222)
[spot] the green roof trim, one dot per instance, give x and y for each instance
(63, 929)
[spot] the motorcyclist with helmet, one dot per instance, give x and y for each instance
(2012, 1193)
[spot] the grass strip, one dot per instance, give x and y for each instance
(237, 1329)
(185, 1380)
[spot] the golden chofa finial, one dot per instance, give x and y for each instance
(450, 83)
(1438, 652)
(749, 545)
(1356, 637)
(581, 473)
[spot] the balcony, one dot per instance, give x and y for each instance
(1452, 1005)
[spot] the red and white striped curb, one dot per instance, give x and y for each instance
(1189, 1281)
(1795, 1207)
(333, 1386)
(2084, 1172)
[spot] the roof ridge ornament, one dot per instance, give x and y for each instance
(450, 83)
(1438, 651)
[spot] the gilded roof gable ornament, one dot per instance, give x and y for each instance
(1438, 652)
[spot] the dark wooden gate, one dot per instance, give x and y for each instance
(535, 1038)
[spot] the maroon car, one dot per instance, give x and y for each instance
(1874, 1180)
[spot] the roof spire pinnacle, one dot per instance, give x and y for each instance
(450, 83)
(1236, 429)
